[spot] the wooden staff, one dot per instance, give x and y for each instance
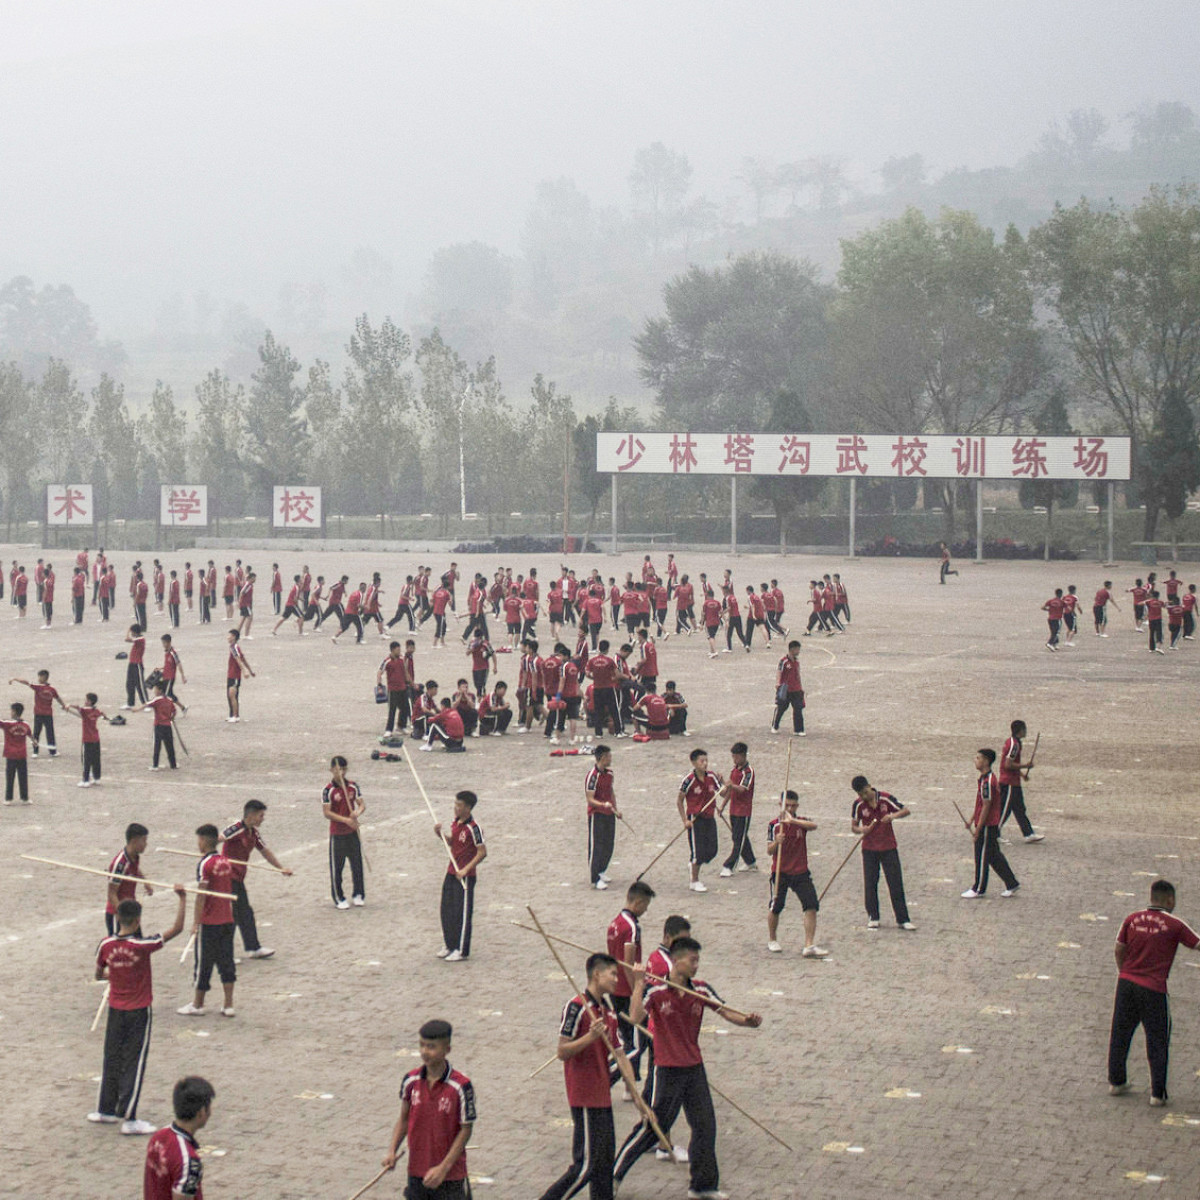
(428, 805)
(627, 826)
(655, 978)
(1032, 754)
(368, 1186)
(787, 775)
(662, 852)
(187, 949)
(552, 1059)
(100, 1010)
(753, 1120)
(197, 854)
(842, 864)
(117, 875)
(616, 1051)
(182, 743)
(958, 810)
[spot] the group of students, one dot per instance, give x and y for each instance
(1149, 605)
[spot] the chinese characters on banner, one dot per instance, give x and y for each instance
(297, 507)
(69, 504)
(873, 456)
(183, 504)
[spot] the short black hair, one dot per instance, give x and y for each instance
(990, 755)
(675, 926)
(603, 647)
(134, 830)
(695, 754)
(685, 945)
(1015, 726)
(129, 912)
(210, 832)
(639, 888)
(253, 806)
(791, 794)
(739, 748)
(599, 960)
(436, 1031)
(191, 1094)
(858, 782)
(468, 798)
(1160, 889)
(599, 750)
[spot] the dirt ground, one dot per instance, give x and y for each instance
(968, 1056)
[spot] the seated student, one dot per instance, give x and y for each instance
(446, 727)
(495, 712)
(424, 707)
(677, 708)
(651, 717)
(464, 704)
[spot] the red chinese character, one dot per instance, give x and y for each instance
(970, 456)
(69, 504)
(849, 449)
(682, 454)
(794, 453)
(909, 456)
(634, 448)
(183, 504)
(739, 450)
(1091, 457)
(296, 507)
(1028, 457)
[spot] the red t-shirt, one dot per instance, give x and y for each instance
(15, 733)
(354, 603)
(987, 801)
(339, 800)
(1010, 775)
(712, 613)
(623, 931)
(658, 965)
(128, 962)
(173, 595)
(1103, 596)
(512, 610)
(164, 709)
(881, 837)
(126, 866)
(789, 670)
(794, 849)
(685, 595)
(141, 592)
(78, 584)
(1154, 609)
(44, 696)
(757, 608)
(731, 606)
(603, 671)
(699, 794)
(741, 794)
(89, 717)
(1172, 586)
(1175, 614)
(570, 680)
(236, 658)
(137, 650)
(440, 599)
(465, 840)
(1054, 608)
(214, 873)
(172, 1166)
(655, 708)
(239, 840)
(586, 1075)
(451, 723)
(648, 667)
(397, 676)
(660, 597)
(170, 667)
(1152, 937)
(436, 1112)
(48, 590)
(593, 606)
(276, 582)
(675, 1019)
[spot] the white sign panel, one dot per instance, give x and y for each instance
(873, 456)
(69, 504)
(296, 507)
(183, 504)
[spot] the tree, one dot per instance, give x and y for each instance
(786, 493)
(217, 445)
(934, 331)
(761, 180)
(547, 433)
(558, 242)
(62, 408)
(468, 277)
(326, 450)
(1051, 420)
(116, 446)
(1076, 145)
(732, 339)
(659, 183)
(275, 429)
(1172, 452)
(1124, 288)
(904, 175)
(37, 326)
(381, 466)
(590, 483)
(20, 446)
(163, 431)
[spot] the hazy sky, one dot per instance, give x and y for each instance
(152, 147)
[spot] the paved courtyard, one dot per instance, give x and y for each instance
(966, 1058)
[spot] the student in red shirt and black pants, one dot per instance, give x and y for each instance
(788, 691)
(467, 851)
(602, 816)
(985, 829)
(1145, 952)
(697, 804)
(679, 1079)
(16, 765)
(1012, 775)
(123, 959)
(871, 818)
(213, 925)
(135, 672)
(739, 796)
(624, 937)
(587, 1019)
(602, 671)
(343, 805)
(173, 1166)
(238, 842)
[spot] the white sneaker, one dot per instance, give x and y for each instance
(1012, 891)
(138, 1128)
(84, 783)
(774, 947)
(1035, 837)
(228, 1012)
(814, 952)
(454, 956)
(712, 655)
(343, 904)
(424, 746)
(972, 894)
(358, 901)
(725, 872)
(710, 1195)
(1114, 1089)
(909, 926)
(600, 885)
(99, 1118)
(554, 741)
(190, 1010)
(872, 924)
(726, 651)
(773, 729)
(687, 733)
(522, 729)
(261, 952)
(697, 886)
(443, 952)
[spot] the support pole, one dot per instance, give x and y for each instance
(853, 497)
(733, 515)
(979, 520)
(1112, 504)
(614, 514)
